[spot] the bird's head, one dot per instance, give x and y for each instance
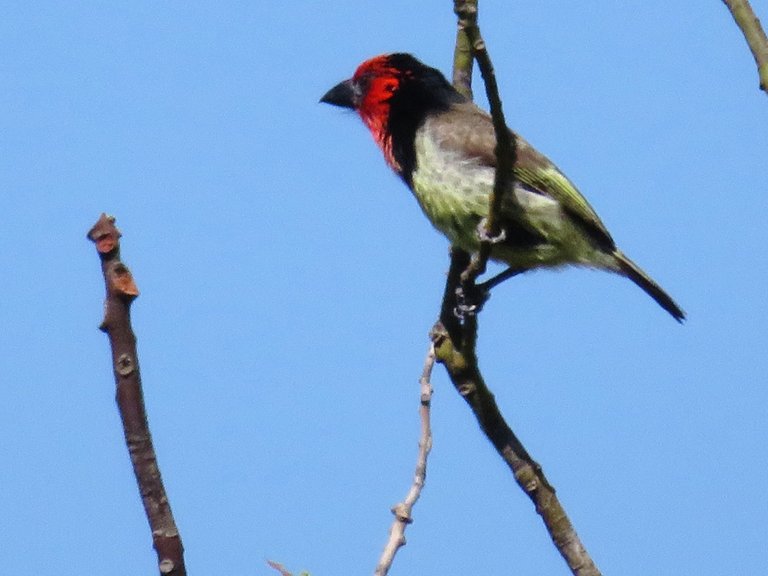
(393, 94)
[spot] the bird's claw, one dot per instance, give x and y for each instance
(470, 300)
(483, 234)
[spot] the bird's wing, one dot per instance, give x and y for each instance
(471, 133)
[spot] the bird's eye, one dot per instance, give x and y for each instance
(363, 83)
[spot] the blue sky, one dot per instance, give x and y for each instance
(289, 281)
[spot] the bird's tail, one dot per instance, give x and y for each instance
(634, 273)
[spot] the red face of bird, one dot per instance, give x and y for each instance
(369, 92)
(393, 93)
(369, 89)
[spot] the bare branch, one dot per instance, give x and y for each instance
(403, 510)
(282, 569)
(753, 32)
(279, 567)
(462, 63)
(455, 340)
(121, 292)
(465, 375)
(506, 143)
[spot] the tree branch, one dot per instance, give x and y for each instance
(462, 368)
(462, 62)
(455, 339)
(121, 292)
(403, 510)
(282, 569)
(279, 567)
(460, 361)
(753, 32)
(506, 143)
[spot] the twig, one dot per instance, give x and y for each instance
(403, 510)
(121, 292)
(282, 569)
(753, 32)
(279, 567)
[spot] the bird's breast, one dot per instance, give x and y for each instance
(453, 191)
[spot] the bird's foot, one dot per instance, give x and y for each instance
(483, 234)
(470, 299)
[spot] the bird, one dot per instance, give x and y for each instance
(442, 146)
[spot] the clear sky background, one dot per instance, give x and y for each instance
(289, 282)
